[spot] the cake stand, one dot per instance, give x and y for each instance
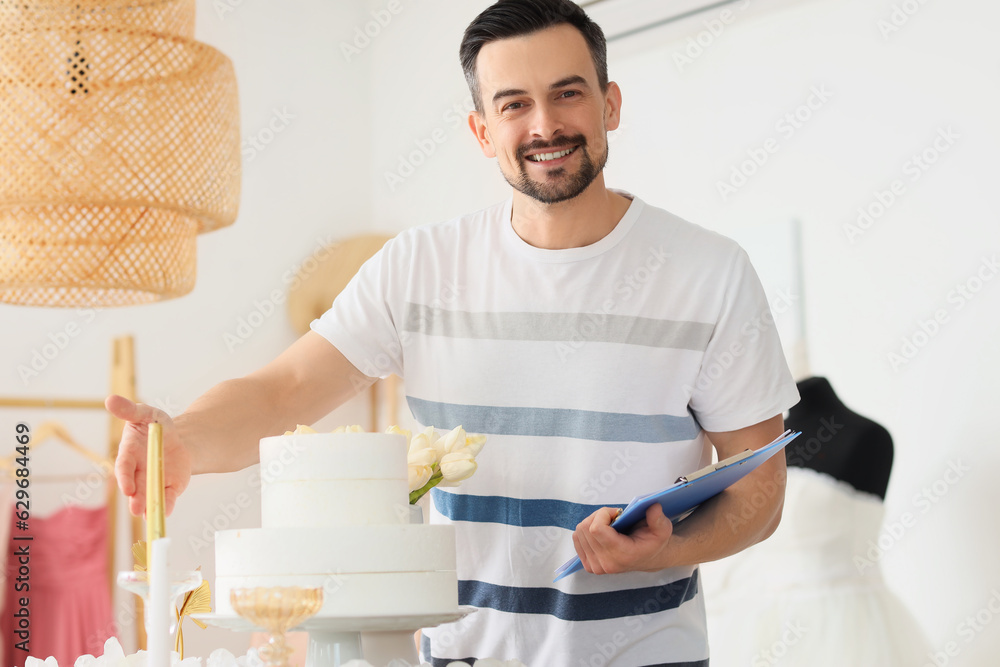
(335, 640)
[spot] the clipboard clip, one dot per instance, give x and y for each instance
(735, 458)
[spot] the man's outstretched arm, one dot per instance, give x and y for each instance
(739, 517)
(221, 429)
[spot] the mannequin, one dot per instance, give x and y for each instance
(837, 441)
(815, 572)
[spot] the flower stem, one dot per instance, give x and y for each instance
(435, 479)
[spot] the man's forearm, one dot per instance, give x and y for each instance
(737, 518)
(222, 428)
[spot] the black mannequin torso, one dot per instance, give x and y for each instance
(837, 441)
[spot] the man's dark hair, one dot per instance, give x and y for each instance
(515, 18)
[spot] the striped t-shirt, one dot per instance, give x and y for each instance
(593, 371)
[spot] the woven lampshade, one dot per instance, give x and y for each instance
(119, 143)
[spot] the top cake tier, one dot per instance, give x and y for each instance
(333, 479)
(288, 458)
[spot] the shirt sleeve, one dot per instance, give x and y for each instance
(361, 323)
(744, 377)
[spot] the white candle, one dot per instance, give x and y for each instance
(158, 641)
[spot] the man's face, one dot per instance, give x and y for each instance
(544, 117)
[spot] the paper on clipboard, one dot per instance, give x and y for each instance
(689, 491)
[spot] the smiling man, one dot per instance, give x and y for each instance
(614, 338)
(604, 345)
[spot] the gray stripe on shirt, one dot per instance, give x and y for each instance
(598, 327)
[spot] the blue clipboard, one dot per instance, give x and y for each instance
(689, 491)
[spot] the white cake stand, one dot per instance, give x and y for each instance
(335, 640)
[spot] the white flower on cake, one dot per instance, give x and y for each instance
(451, 458)
(300, 429)
(420, 467)
(432, 459)
(348, 429)
(456, 466)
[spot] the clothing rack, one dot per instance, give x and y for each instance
(123, 384)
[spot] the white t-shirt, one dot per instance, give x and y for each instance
(593, 371)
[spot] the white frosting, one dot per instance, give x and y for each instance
(333, 456)
(388, 548)
(334, 502)
(383, 594)
(335, 514)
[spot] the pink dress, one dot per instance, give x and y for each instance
(69, 598)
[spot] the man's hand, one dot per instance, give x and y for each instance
(130, 467)
(741, 516)
(603, 550)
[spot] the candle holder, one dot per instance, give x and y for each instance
(277, 609)
(137, 581)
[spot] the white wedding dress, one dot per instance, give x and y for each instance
(801, 598)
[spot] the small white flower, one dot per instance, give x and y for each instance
(38, 662)
(417, 476)
(220, 657)
(251, 659)
(454, 440)
(137, 659)
(395, 430)
(419, 442)
(474, 443)
(421, 457)
(458, 466)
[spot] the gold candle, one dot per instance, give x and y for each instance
(155, 514)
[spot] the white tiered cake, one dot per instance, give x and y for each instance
(335, 515)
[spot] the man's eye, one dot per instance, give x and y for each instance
(569, 93)
(513, 106)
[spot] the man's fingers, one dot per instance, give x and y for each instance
(604, 535)
(586, 552)
(589, 548)
(136, 413)
(607, 541)
(658, 521)
(169, 498)
(125, 468)
(137, 503)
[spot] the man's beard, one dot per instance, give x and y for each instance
(567, 187)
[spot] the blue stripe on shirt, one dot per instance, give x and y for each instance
(578, 606)
(512, 511)
(581, 424)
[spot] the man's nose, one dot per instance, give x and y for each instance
(546, 122)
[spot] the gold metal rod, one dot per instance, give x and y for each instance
(155, 506)
(52, 403)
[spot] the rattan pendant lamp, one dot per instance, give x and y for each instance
(119, 143)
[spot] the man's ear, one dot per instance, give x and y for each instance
(478, 127)
(612, 107)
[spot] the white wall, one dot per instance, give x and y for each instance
(324, 175)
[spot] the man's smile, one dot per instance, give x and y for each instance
(548, 157)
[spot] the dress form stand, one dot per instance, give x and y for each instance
(838, 441)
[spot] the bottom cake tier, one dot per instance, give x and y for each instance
(381, 570)
(366, 594)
